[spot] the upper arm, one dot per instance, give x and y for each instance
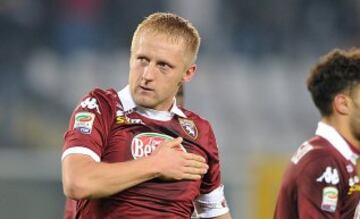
(74, 167)
(73, 163)
(85, 138)
(89, 126)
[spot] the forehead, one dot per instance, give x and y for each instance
(161, 47)
(159, 40)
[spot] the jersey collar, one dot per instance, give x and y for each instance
(336, 140)
(129, 104)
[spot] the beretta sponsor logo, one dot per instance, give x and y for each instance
(145, 143)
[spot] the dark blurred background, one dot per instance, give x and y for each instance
(253, 63)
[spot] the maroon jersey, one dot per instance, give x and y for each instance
(321, 180)
(109, 127)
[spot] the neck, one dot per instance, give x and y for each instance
(342, 126)
(163, 107)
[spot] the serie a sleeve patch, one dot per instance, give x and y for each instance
(84, 122)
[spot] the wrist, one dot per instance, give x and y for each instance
(152, 166)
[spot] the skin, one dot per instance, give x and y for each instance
(157, 69)
(355, 116)
(83, 178)
(346, 115)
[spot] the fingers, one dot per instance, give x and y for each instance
(188, 174)
(191, 156)
(196, 164)
(191, 177)
(195, 171)
(194, 167)
(177, 165)
(191, 173)
(174, 142)
(195, 161)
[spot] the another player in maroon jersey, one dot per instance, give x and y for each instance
(135, 153)
(321, 180)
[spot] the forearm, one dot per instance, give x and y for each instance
(85, 179)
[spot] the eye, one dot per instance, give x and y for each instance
(164, 66)
(142, 60)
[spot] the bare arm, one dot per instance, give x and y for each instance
(83, 178)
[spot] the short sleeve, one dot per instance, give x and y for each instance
(211, 201)
(90, 125)
(319, 186)
(212, 178)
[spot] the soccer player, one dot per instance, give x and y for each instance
(134, 153)
(321, 181)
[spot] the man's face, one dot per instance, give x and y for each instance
(158, 66)
(355, 112)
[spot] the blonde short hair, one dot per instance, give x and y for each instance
(172, 25)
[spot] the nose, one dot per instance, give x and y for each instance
(149, 73)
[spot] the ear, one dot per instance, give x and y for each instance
(190, 72)
(341, 104)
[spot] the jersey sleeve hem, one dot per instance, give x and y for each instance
(80, 150)
(212, 204)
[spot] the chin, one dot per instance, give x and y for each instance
(143, 102)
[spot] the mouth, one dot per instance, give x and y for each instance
(146, 89)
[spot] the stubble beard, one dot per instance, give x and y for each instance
(355, 130)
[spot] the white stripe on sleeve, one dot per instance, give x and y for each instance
(81, 150)
(212, 204)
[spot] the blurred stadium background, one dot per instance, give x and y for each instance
(254, 59)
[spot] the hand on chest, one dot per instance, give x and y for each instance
(134, 136)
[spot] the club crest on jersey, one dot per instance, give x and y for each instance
(329, 199)
(145, 143)
(90, 103)
(189, 127)
(84, 122)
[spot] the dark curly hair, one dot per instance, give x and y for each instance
(338, 71)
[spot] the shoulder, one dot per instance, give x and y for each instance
(315, 157)
(315, 148)
(100, 100)
(103, 94)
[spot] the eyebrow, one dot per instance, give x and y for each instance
(165, 62)
(160, 61)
